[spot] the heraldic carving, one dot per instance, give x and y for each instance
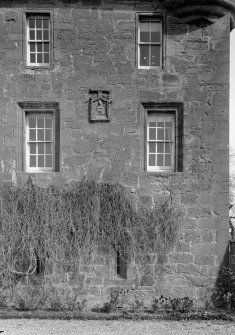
(99, 105)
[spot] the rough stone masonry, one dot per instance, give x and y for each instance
(94, 55)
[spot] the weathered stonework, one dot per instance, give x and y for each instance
(94, 48)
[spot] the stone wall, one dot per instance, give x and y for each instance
(94, 47)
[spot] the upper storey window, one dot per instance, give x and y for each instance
(149, 42)
(38, 39)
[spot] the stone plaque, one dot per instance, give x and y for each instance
(99, 105)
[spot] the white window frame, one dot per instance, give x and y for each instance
(148, 18)
(159, 116)
(28, 141)
(28, 41)
(37, 108)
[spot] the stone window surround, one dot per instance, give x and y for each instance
(178, 110)
(37, 107)
(38, 12)
(162, 17)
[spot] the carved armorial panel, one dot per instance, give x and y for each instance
(99, 105)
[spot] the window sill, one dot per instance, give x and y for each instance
(164, 173)
(119, 278)
(155, 68)
(36, 172)
(40, 68)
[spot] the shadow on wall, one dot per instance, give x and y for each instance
(224, 285)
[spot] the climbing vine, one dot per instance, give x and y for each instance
(62, 227)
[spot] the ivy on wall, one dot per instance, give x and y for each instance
(63, 227)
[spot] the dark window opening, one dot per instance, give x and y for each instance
(121, 266)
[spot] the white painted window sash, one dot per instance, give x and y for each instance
(160, 116)
(28, 141)
(36, 41)
(149, 19)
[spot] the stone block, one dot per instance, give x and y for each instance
(203, 249)
(189, 198)
(221, 168)
(10, 141)
(204, 260)
(185, 269)
(181, 246)
(209, 271)
(205, 293)
(192, 236)
(182, 291)
(162, 291)
(183, 257)
(207, 237)
(221, 198)
(147, 280)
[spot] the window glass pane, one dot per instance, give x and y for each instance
(32, 134)
(167, 160)
(39, 47)
(160, 147)
(160, 134)
(40, 160)
(152, 147)
(152, 133)
(32, 161)
(152, 159)
(45, 23)
(32, 47)
(159, 160)
(41, 148)
(168, 147)
(168, 133)
(31, 23)
(32, 35)
(40, 135)
(46, 47)
(152, 124)
(48, 148)
(39, 23)
(169, 124)
(49, 161)
(39, 58)
(155, 32)
(40, 123)
(48, 135)
(32, 58)
(39, 35)
(45, 34)
(144, 55)
(46, 58)
(155, 37)
(155, 55)
(160, 124)
(144, 31)
(48, 123)
(32, 147)
(32, 122)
